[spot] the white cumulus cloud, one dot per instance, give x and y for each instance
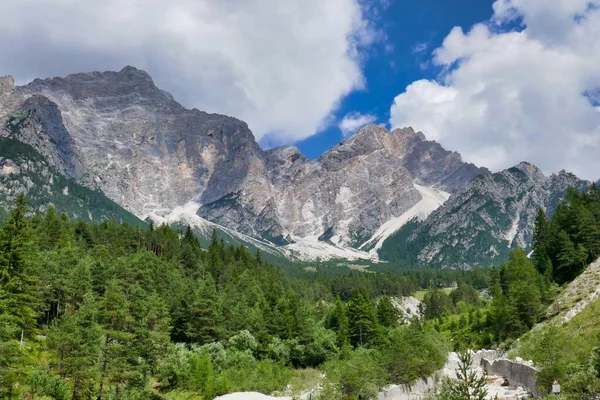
(280, 65)
(508, 96)
(354, 121)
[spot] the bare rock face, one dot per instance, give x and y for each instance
(9, 98)
(118, 132)
(143, 149)
(345, 195)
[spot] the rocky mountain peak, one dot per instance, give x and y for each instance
(370, 139)
(529, 170)
(366, 139)
(563, 174)
(284, 154)
(409, 133)
(133, 74)
(130, 85)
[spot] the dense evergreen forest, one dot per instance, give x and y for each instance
(116, 311)
(567, 242)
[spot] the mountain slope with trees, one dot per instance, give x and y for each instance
(481, 223)
(104, 309)
(528, 299)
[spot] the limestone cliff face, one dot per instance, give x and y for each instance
(350, 191)
(138, 145)
(118, 132)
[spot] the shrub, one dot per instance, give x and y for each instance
(42, 383)
(360, 376)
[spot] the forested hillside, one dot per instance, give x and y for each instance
(570, 240)
(116, 311)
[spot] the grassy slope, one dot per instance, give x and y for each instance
(576, 311)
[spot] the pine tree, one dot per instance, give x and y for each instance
(152, 332)
(567, 257)
(541, 241)
(52, 229)
(588, 233)
(436, 303)
(205, 324)
(499, 308)
(363, 325)
(468, 384)
(118, 356)
(215, 255)
(12, 359)
(77, 339)
(338, 321)
(523, 294)
(17, 313)
(190, 256)
(17, 276)
(387, 314)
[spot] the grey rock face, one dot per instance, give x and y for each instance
(350, 191)
(433, 166)
(143, 149)
(40, 125)
(9, 98)
(120, 133)
(490, 215)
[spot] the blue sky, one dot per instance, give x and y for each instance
(396, 62)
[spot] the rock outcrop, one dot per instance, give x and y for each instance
(518, 374)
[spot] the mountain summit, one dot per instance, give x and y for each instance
(118, 133)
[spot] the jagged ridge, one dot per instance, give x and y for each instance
(118, 132)
(482, 221)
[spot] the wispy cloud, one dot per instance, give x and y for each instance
(354, 121)
(419, 47)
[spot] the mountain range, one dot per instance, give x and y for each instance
(379, 194)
